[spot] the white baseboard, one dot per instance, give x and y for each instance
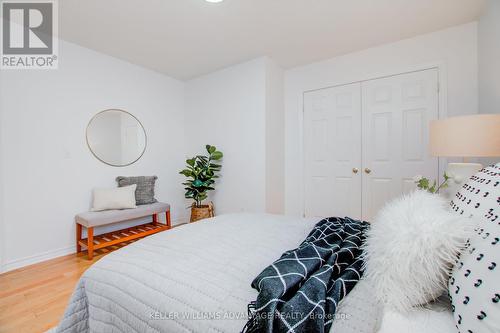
(30, 260)
(52, 254)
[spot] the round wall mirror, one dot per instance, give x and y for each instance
(116, 137)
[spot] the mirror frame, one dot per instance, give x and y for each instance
(111, 164)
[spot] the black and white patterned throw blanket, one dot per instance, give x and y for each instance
(300, 291)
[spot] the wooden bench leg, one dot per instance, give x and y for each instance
(78, 238)
(90, 242)
(168, 218)
(155, 218)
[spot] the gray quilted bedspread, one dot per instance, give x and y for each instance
(195, 278)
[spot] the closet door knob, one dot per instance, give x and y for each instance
(355, 170)
(368, 170)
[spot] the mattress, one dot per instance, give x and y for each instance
(195, 278)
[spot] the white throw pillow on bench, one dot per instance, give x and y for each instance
(114, 198)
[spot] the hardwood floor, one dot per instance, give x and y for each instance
(33, 298)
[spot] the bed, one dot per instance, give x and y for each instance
(432, 318)
(196, 278)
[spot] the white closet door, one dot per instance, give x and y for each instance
(332, 149)
(396, 115)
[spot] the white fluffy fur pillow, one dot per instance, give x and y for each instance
(411, 248)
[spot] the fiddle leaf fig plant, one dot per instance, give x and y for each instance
(201, 172)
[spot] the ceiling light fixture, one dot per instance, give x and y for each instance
(214, 1)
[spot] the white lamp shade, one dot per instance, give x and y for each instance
(466, 136)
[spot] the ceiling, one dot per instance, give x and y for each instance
(188, 38)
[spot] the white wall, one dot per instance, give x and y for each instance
(275, 139)
(489, 58)
(455, 49)
(227, 109)
(489, 63)
(46, 168)
(240, 110)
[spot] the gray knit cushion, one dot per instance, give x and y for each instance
(145, 192)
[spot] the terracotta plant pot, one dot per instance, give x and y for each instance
(201, 212)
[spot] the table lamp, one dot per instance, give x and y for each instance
(465, 137)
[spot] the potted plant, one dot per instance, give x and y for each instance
(201, 172)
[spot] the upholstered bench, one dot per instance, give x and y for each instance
(90, 220)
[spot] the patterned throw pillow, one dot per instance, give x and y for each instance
(145, 192)
(474, 285)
